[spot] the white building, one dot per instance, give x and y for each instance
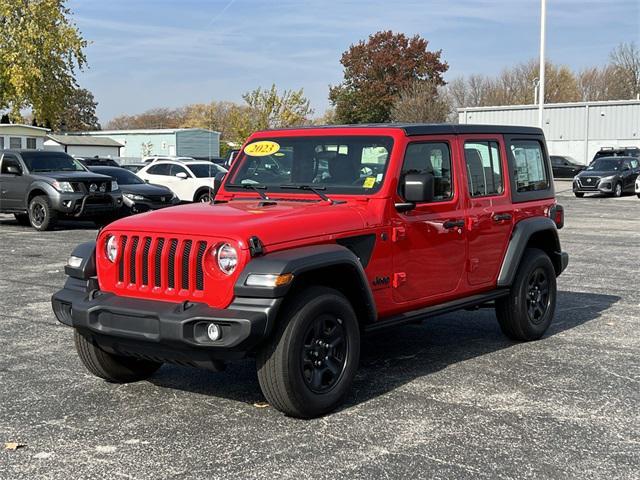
(183, 142)
(576, 130)
(16, 136)
(83, 146)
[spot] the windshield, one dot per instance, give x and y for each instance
(340, 164)
(51, 162)
(122, 176)
(605, 164)
(205, 170)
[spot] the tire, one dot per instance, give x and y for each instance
(526, 313)
(204, 197)
(300, 374)
(617, 190)
(22, 219)
(638, 195)
(578, 194)
(41, 216)
(112, 368)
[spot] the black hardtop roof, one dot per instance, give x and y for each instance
(413, 129)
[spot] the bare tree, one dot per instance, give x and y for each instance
(421, 102)
(626, 60)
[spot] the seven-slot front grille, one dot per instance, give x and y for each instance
(165, 263)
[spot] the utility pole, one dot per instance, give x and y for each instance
(543, 26)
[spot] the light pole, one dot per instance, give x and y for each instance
(543, 26)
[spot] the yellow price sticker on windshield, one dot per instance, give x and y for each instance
(261, 148)
(369, 182)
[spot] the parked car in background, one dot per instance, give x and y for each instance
(565, 167)
(146, 160)
(191, 181)
(97, 161)
(134, 167)
(617, 152)
(137, 195)
(39, 187)
(610, 175)
(217, 160)
(230, 157)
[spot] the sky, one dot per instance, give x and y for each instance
(160, 53)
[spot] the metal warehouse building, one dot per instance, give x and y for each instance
(83, 145)
(577, 130)
(183, 142)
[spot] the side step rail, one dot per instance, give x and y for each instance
(432, 311)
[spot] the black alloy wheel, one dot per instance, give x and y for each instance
(324, 353)
(537, 295)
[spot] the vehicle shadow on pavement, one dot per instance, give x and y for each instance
(391, 359)
(397, 356)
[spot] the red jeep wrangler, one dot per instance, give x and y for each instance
(317, 236)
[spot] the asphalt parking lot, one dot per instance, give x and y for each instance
(451, 398)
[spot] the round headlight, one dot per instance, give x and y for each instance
(112, 248)
(227, 257)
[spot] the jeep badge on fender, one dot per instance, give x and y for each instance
(317, 236)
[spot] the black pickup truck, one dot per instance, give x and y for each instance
(39, 187)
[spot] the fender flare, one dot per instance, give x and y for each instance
(302, 260)
(39, 185)
(87, 269)
(522, 232)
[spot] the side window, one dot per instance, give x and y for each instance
(175, 169)
(160, 169)
(1, 143)
(484, 168)
(8, 161)
(434, 158)
(31, 143)
(15, 142)
(530, 172)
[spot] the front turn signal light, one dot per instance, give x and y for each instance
(268, 280)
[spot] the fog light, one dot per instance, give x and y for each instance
(214, 332)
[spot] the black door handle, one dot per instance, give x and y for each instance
(502, 217)
(453, 224)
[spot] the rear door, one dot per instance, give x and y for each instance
(489, 208)
(429, 241)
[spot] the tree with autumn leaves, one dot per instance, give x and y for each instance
(376, 71)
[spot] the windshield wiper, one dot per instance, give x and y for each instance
(256, 188)
(310, 188)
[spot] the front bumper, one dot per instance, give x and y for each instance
(602, 186)
(86, 205)
(164, 331)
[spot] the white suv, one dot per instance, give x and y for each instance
(192, 181)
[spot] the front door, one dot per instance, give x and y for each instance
(13, 187)
(489, 210)
(429, 241)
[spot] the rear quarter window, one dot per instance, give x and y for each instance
(529, 169)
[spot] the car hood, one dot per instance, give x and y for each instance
(285, 221)
(145, 189)
(598, 173)
(71, 176)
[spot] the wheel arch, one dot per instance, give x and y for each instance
(329, 265)
(200, 190)
(539, 232)
(38, 189)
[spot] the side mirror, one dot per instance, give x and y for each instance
(14, 170)
(418, 188)
(181, 175)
